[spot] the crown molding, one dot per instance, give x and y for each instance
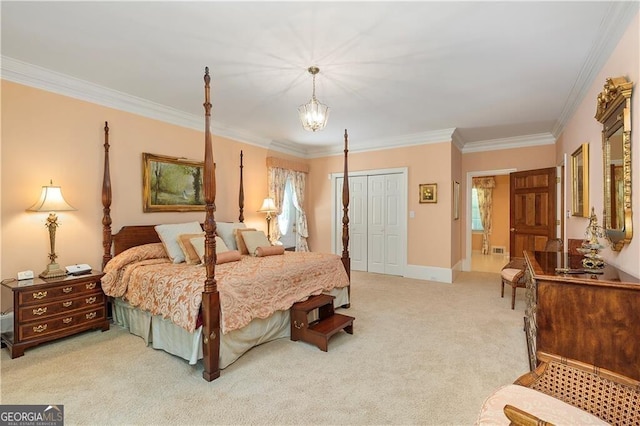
(51, 81)
(509, 143)
(611, 30)
(425, 138)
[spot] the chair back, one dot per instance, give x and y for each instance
(554, 244)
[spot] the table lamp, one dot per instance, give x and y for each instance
(268, 207)
(52, 201)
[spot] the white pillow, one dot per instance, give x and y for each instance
(198, 245)
(225, 231)
(169, 236)
(255, 239)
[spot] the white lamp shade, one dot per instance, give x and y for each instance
(51, 200)
(268, 206)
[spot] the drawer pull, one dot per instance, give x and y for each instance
(67, 320)
(91, 286)
(91, 315)
(40, 311)
(67, 304)
(40, 295)
(90, 300)
(67, 289)
(40, 328)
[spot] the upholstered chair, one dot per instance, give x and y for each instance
(512, 273)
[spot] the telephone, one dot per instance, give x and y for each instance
(80, 269)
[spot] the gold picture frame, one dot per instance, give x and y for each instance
(456, 200)
(428, 193)
(580, 181)
(172, 184)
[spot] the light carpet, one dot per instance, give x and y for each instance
(421, 353)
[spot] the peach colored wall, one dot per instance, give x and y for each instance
(49, 136)
(529, 158)
(476, 241)
(429, 233)
(583, 127)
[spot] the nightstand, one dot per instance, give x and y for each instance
(46, 310)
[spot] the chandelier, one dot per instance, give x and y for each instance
(313, 114)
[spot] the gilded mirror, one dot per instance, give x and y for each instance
(614, 112)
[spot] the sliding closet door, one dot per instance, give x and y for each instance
(385, 215)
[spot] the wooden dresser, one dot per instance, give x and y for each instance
(593, 318)
(45, 310)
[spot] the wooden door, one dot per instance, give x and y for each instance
(533, 210)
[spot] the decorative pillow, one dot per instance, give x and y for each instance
(190, 253)
(228, 256)
(225, 231)
(198, 245)
(242, 247)
(253, 240)
(269, 251)
(169, 236)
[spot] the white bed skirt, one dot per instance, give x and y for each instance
(162, 334)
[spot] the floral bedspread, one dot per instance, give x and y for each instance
(254, 287)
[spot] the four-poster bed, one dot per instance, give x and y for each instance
(217, 331)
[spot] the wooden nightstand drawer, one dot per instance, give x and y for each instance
(57, 324)
(36, 312)
(47, 310)
(66, 290)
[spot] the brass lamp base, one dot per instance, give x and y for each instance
(53, 271)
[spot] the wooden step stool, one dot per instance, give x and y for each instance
(319, 331)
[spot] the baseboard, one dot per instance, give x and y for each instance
(429, 273)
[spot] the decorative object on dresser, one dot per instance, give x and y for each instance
(313, 114)
(52, 201)
(591, 246)
(268, 207)
(574, 313)
(614, 112)
(46, 310)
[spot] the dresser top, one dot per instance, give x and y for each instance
(566, 267)
(67, 279)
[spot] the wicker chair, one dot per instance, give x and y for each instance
(607, 395)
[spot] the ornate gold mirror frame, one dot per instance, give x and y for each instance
(614, 112)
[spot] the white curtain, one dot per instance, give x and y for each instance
(277, 182)
(484, 188)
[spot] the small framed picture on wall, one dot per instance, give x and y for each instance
(429, 193)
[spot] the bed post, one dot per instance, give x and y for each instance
(106, 201)
(241, 192)
(210, 297)
(346, 260)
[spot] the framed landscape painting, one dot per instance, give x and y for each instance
(171, 184)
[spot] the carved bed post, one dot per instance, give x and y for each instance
(210, 296)
(106, 201)
(241, 192)
(346, 260)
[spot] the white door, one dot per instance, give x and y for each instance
(357, 220)
(385, 215)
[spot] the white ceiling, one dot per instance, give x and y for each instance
(392, 73)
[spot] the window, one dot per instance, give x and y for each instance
(287, 219)
(476, 222)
